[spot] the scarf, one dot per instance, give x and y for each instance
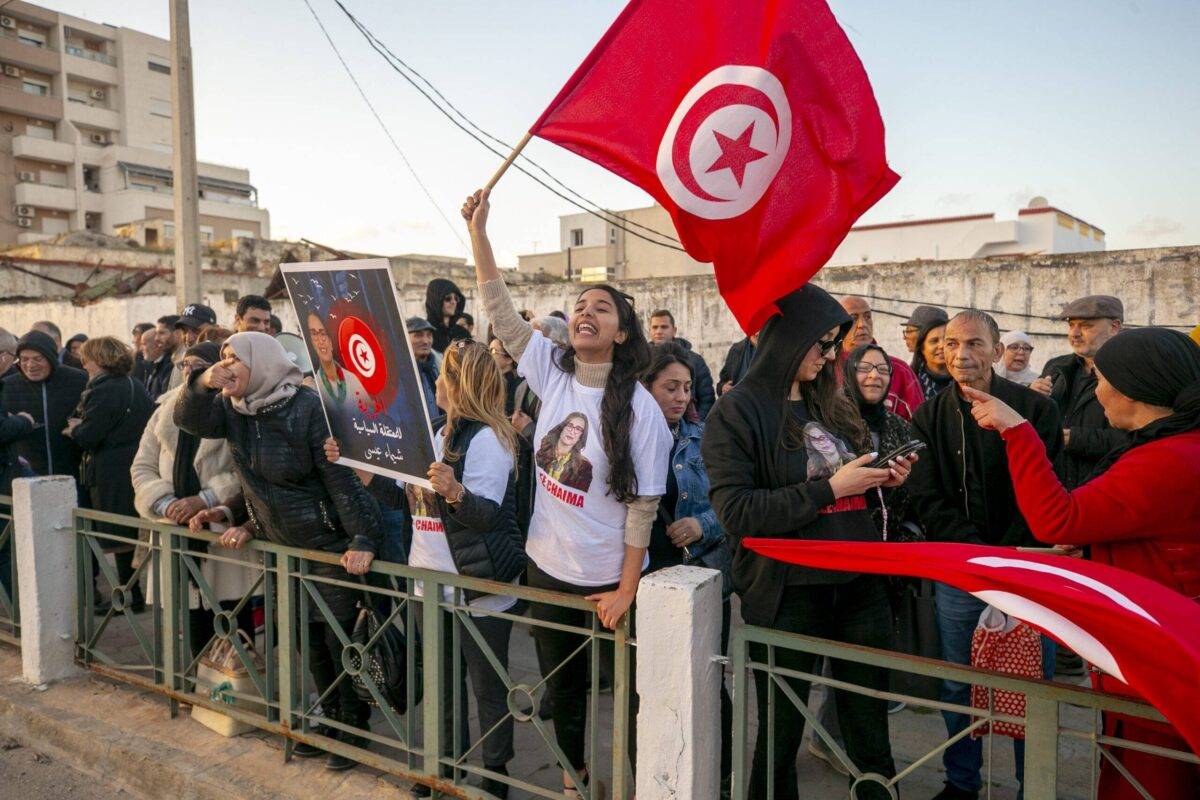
(273, 376)
(184, 477)
(1157, 366)
(874, 414)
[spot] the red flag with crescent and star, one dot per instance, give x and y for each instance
(751, 121)
(1130, 627)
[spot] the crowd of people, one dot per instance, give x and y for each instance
(579, 451)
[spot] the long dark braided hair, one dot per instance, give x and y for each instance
(629, 360)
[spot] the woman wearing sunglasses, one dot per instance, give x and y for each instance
(787, 456)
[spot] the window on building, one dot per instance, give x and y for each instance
(159, 64)
(54, 225)
(577, 237)
(31, 38)
(160, 108)
(242, 233)
(143, 187)
(206, 234)
(31, 86)
(40, 132)
(51, 177)
(91, 178)
(168, 230)
(612, 235)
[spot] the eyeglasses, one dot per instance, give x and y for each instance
(1020, 348)
(866, 368)
(828, 346)
(573, 426)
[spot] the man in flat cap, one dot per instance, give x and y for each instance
(919, 318)
(1070, 381)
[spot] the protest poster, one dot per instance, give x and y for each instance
(363, 368)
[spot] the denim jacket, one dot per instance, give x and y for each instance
(713, 549)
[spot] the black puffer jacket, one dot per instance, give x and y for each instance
(294, 496)
(443, 334)
(484, 539)
(50, 402)
(1092, 438)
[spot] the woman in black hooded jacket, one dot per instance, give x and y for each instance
(440, 293)
(780, 449)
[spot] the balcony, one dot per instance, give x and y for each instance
(28, 56)
(30, 105)
(94, 116)
(43, 150)
(91, 55)
(90, 66)
(40, 196)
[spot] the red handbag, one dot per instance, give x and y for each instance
(1004, 644)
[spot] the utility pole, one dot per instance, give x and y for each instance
(183, 137)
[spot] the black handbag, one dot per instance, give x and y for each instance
(387, 661)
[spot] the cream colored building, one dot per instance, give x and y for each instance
(85, 136)
(591, 249)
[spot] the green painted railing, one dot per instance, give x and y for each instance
(753, 652)
(151, 649)
(10, 601)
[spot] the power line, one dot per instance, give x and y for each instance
(403, 65)
(608, 217)
(1020, 314)
(453, 228)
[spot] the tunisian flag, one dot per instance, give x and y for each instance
(1132, 628)
(751, 121)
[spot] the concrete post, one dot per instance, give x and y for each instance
(45, 550)
(679, 717)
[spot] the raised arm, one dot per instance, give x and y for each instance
(199, 410)
(513, 331)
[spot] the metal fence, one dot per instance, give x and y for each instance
(156, 649)
(754, 655)
(10, 601)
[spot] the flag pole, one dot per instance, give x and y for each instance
(508, 161)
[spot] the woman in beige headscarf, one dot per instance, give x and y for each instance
(294, 496)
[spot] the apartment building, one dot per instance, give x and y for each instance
(595, 250)
(85, 136)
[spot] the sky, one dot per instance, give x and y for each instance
(1095, 105)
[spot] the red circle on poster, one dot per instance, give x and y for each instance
(362, 355)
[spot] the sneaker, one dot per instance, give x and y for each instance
(420, 790)
(817, 748)
(952, 792)
(306, 750)
(339, 763)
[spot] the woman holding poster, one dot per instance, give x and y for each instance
(588, 537)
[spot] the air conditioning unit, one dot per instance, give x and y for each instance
(7, 22)
(24, 222)
(24, 211)
(11, 71)
(26, 176)
(97, 94)
(99, 138)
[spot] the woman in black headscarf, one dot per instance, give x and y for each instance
(1140, 510)
(929, 361)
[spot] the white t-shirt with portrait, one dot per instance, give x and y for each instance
(486, 467)
(577, 532)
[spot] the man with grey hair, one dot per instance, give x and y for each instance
(1070, 381)
(962, 492)
(8, 353)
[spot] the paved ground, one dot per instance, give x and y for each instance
(29, 775)
(913, 733)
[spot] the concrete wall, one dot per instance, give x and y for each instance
(1158, 286)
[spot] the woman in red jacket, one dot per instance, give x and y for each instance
(1139, 511)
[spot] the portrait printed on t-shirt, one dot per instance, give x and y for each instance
(423, 507)
(826, 453)
(560, 454)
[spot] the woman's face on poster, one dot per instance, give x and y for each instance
(571, 432)
(320, 339)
